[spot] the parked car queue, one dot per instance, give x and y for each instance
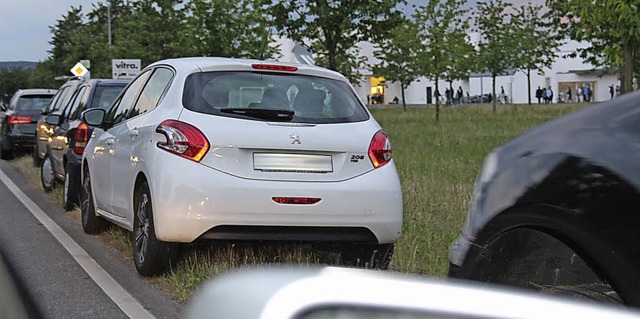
(66, 136)
(174, 159)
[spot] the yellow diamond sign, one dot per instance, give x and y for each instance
(79, 69)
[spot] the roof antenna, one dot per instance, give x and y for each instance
(264, 45)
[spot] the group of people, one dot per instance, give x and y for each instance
(544, 94)
(584, 93)
(452, 96)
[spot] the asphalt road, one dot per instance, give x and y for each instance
(60, 287)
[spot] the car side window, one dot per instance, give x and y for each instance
(152, 92)
(120, 110)
(65, 98)
(76, 101)
(58, 98)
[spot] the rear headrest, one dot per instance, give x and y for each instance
(274, 98)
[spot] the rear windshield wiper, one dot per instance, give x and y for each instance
(265, 114)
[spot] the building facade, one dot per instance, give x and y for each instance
(565, 77)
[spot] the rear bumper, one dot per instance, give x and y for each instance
(291, 233)
(18, 140)
(201, 202)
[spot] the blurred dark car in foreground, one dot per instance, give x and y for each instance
(288, 293)
(69, 136)
(557, 208)
(18, 121)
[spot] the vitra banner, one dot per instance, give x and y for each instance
(125, 69)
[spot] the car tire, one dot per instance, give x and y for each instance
(151, 256)
(367, 256)
(35, 157)
(70, 193)
(47, 177)
(5, 151)
(91, 223)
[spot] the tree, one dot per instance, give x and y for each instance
(612, 27)
(64, 41)
(11, 80)
(398, 56)
(463, 60)
(497, 49)
(443, 32)
(227, 28)
(151, 32)
(537, 40)
(332, 29)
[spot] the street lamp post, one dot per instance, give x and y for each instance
(109, 22)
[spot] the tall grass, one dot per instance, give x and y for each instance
(437, 164)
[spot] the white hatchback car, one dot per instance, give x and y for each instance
(216, 148)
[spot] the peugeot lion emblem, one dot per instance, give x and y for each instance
(295, 138)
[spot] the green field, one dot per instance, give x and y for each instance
(437, 163)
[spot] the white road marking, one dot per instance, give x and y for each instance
(129, 305)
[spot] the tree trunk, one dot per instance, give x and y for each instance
(493, 95)
(627, 67)
(437, 102)
(404, 105)
(528, 86)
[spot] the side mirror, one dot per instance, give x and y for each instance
(94, 117)
(53, 119)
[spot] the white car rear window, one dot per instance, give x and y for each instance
(308, 99)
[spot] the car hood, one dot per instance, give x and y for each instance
(605, 134)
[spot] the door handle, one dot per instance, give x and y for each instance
(109, 142)
(133, 133)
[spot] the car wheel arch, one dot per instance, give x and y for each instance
(518, 241)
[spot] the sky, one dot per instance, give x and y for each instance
(24, 26)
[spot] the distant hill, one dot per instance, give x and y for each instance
(18, 64)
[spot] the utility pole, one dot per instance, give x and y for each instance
(109, 21)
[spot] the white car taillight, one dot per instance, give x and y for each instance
(183, 139)
(380, 149)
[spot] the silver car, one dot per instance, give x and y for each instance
(323, 293)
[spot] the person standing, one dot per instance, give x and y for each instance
(611, 90)
(579, 94)
(549, 95)
(569, 97)
(539, 93)
(587, 93)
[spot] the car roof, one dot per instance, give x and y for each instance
(108, 82)
(205, 64)
(36, 92)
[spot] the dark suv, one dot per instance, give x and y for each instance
(17, 121)
(63, 151)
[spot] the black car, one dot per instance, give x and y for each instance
(557, 208)
(69, 136)
(43, 130)
(18, 120)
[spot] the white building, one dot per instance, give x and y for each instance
(566, 73)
